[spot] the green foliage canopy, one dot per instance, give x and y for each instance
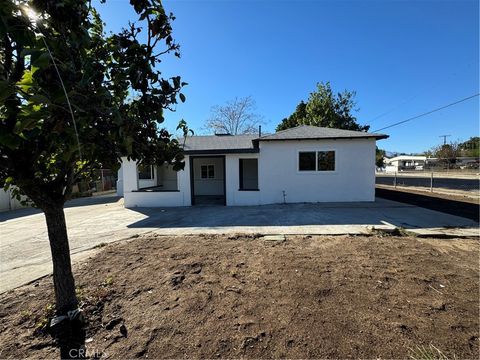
(117, 94)
(325, 109)
(379, 157)
(470, 147)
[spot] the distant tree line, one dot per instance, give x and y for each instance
(470, 147)
(447, 154)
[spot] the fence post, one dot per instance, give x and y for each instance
(431, 181)
(103, 180)
(395, 180)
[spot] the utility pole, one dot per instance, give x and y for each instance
(445, 138)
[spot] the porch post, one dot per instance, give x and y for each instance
(130, 175)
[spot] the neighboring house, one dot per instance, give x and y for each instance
(8, 202)
(302, 164)
(412, 163)
(405, 162)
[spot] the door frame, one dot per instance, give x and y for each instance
(192, 179)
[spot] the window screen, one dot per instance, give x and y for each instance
(248, 174)
(326, 161)
(306, 161)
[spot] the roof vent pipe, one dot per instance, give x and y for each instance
(259, 130)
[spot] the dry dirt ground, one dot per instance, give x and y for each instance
(244, 297)
(464, 196)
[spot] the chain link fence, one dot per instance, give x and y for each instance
(464, 181)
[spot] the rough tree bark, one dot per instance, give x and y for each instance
(69, 332)
(62, 269)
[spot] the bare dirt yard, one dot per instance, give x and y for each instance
(241, 296)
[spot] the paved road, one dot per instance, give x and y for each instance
(25, 252)
(438, 182)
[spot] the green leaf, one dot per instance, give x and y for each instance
(25, 124)
(7, 183)
(39, 99)
(41, 61)
(176, 81)
(9, 140)
(27, 79)
(182, 97)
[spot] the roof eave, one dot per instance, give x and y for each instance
(377, 137)
(220, 151)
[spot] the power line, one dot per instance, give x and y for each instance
(428, 112)
(450, 76)
(394, 108)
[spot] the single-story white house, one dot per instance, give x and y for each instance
(302, 164)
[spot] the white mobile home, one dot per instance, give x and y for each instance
(302, 164)
(405, 162)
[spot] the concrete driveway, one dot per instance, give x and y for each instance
(25, 252)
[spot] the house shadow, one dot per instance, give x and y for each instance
(380, 212)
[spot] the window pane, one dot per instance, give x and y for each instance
(248, 174)
(145, 172)
(204, 172)
(306, 161)
(326, 161)
(211, 171)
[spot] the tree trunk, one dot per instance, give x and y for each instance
(63, 281)
(69, 332)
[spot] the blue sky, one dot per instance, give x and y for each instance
(402, 58)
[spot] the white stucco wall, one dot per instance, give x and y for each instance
(167, 178)
(234, 195)
(4, 200)
(8, 202)
(134, 198)
(352, 180)
(120, 181)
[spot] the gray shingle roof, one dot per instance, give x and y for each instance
(224, 144)
(305, 132)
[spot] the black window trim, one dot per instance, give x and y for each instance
(240, 172)
(316, 151)
(298, 161)
(207, 166)
(334, 161)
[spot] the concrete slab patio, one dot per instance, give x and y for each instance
(25, 252)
